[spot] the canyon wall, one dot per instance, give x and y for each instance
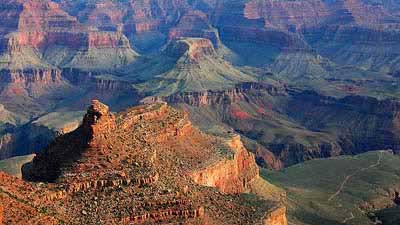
(195, 49)
(251, 109)
(27, 76)
(195, 24)
(375, 126)
(230, 175)
(287, 15)
(228, 96)
(276, 217)
(23, 84)
(42, 24)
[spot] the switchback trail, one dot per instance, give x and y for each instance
(348, 177)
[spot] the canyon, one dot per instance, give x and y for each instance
(88, 50)
(314, 123)
(221, 88)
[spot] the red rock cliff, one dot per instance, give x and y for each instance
(276, 217)
(230, 175)
(24, 77)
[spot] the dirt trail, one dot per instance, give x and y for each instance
(349, 218)
(353, 174)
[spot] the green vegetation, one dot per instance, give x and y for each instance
(181, 70)
(308, 70)
(338, 190)
(102, 59)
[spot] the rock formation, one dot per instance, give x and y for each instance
(193, 48)
(144, 165)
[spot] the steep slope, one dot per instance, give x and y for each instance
(255, 110)
(144, 165)
(301, 65)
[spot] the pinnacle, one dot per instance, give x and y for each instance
(98, 108)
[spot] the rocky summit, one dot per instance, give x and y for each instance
(145, 165)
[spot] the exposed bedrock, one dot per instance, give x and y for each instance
(193, 48)
(276, 217)
(195, 24)
(30, 83)
(231, 175)
(27, 76)
(69, 39)
(220, 97)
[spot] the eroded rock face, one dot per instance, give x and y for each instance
(22, 85)
(230, 176)
(42, 24)
(289, 15)
(277, 217)
(35, 19)
(194, 49)
(98, 119)
(28, 76)
(155, 15)
(209, 98)
(195, 24)
(266, 158)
